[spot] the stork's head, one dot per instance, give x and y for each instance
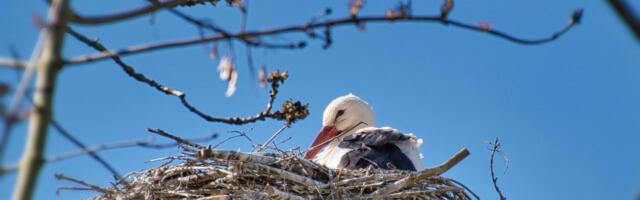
(343, 115)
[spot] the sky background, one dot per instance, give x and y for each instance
(566, 112)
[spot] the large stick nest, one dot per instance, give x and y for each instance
(216, 174)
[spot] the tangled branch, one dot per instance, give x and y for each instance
(212, 174)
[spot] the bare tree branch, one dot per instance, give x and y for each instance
(627, 14)
(495, 147)
(21, 91)
(148, 143)
(290, 112)
(80, 145)
(306, 28)
(143, 143)
(13, 63)
(49, 63)
(247, 40)
(72, 188)
(238, 134)
(60, 176)
(8, 121)
(67, 135)
(174, 137)
(273, 136)
(466, 188)
(118, 17)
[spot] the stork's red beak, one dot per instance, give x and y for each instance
(326, 134)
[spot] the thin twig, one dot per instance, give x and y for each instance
(285, 174)
(247, 40)
(147, 143)
(66, 134)
(144, 143)
(98, 20)
(61, 176)
(305, 28)
(238, 134)
(465, 187)
(8, 168)
(273, 136)
(175, 137)
(72, 188)
(495, 148)
(225, 140)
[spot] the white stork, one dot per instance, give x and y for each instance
(349, 139)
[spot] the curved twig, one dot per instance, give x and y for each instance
(627, 14)
(248, 41)
(98, 20)
(495, 147)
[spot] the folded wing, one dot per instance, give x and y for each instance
(379, 147)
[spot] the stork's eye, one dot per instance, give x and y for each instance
(340, 112)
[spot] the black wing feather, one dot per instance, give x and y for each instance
(375, 148)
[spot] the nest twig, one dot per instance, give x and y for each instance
(207, 173)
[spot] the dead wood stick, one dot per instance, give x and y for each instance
(285, 174)
(277, 194)
(410, 180)
(60, 176)
(174, 137)
(216, 197)
(377, 177)
(207, 153)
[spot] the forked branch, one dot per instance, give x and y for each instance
(495, 147)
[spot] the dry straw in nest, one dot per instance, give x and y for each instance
(216, 174)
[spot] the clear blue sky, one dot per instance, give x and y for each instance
(567, 112)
